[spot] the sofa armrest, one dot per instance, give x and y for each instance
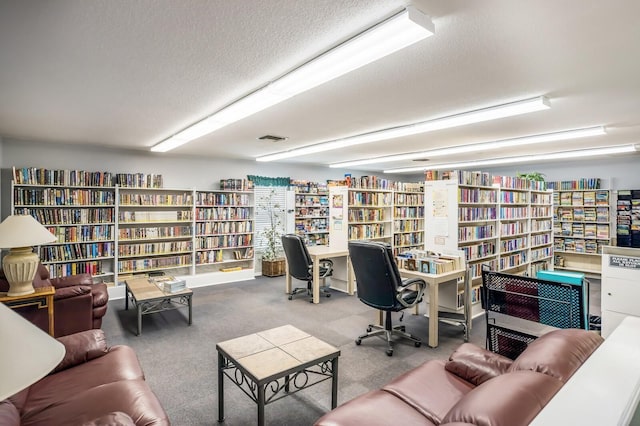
(71, 280)
(82, 347)
(476, 365)
(73, 291)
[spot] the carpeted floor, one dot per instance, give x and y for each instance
(180, 361)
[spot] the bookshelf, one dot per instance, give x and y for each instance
(582, 226)
(312, 212)
(503, 223)
(155, 230)
(408, 217)
(369, 215)
(224, 231)
(79, 208)
(628, 218)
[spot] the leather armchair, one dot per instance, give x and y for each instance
(79, 304)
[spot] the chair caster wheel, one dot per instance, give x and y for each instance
(369, 329)
(358, 341)
(328, 295)
(403, 328)
(389, 352)
(417, 344)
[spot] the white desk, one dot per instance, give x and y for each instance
(433, 283)
(323, 252)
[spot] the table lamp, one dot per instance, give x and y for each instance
(19, 233)
(28, 353)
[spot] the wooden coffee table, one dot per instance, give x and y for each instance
(149, 299)
(272, 364)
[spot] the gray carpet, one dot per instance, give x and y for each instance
(180, 361)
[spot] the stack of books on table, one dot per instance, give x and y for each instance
(429, 262)
(169, 284)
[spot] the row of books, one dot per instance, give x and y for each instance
(219, 256)
(155, 216)
(513, 228)
(40, 176)
(584, 183)
(628, 218)
(360, 232)
(584, 198)
(408, 186)
(235, 227)
(69, 216)
(513, 197)
(369, 199)
(409, 212)
(470, 233)
(477, 195)
(462, 176)
(541, 225)
(236, 185)
(167, 247)
(514, 212)
(578, 245)
(513, 260)
(587, 230)
(57, 270)
(312, 225)
(400, 225)
(410, 239)
(540, 212)
(154, 232)
(366, 215)
(222, 199)
(224, 213)
(143, 265)
(409, 199)
(541, 198)
(62, 196)
(311, 201)
(139, 180)
(513, 244)
(76, 251)
(540, 239)
(428, 262)
(72, 234)
(307, 187)
(476, 213)
(128, 199)
(478, 251)
(313, 211)
(368, 182)
(242, 240)
(540, 253)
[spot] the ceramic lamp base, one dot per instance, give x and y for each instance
(20, 266)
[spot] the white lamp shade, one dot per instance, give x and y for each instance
(27, 353)
(23, 231)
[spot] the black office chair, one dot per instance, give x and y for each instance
(380, 286)
(301, 266)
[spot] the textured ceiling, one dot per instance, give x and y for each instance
(131, 73)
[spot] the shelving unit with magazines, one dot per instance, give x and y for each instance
(408, 216)
(155, 231)
(312, 212)
(224, 232)
(79, 208)
(582, 225)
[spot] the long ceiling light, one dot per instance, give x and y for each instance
(477, 147)
(476, 116)
(571, 155)
(385, 38)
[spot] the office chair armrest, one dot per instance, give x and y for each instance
(404, 287)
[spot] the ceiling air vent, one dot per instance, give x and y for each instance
(420, 159)
(272, 138)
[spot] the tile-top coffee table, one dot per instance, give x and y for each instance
(274, 363)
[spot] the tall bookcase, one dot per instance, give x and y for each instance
(312, 212)
(496, 221)
(224, 230)
(79, 208)
(582, 227)
(155, 230)
(408, 216)
(369, 214)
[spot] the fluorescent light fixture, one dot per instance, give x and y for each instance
(385, 38)
(485, 146)
(571, 155)
(470, 117)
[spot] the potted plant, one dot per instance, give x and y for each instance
(273, 263)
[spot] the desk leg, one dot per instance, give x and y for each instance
(50, 312)
(316, 280)
(139, 306)
(126, 298)
(190, 309)
(350, 287)
(334, 383)
(433, 315)
(261, 389)
(220, 388)
(287, 281)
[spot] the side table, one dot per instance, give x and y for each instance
(42, 298)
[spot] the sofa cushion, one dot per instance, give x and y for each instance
(9, 414)
(112, 419)
(512, 399)
(475, 364)
(133, 397)
(429, 389)
(375, 408)
(558, 353)
(81, 347)
(120, 363)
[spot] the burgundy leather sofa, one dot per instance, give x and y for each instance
(79, 304)
(473, 387)
(92, 385)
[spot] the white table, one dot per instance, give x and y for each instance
(323, 252)
(433, 283)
